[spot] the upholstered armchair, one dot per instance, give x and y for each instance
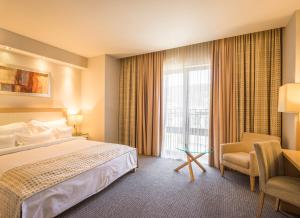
(240, 156)
(272, 180)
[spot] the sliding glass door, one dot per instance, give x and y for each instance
(186, 109)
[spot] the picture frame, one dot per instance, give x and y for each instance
(23, 81)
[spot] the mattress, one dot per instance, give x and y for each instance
(60, 197)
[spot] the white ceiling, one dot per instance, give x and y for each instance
(127, 27)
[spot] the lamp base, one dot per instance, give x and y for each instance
(297, 145)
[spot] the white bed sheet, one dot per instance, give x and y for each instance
(56, 199)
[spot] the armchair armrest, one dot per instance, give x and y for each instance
(253, 164)
(231, 147)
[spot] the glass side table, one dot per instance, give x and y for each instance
(193, 152)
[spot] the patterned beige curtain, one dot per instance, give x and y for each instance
(127, 108)
(259, 71)
(246, 76)
(140, 121)
(223, 101)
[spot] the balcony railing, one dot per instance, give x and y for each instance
(191, 130)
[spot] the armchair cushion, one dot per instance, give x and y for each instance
(285, 188)
(239, 158)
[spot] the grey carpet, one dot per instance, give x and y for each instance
(156, 190)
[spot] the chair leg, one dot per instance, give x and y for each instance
(261, 204)
(252, 183)
(222, 169)
(277, 204)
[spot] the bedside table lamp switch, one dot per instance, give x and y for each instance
(75, 120)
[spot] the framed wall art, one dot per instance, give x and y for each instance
(20, 81)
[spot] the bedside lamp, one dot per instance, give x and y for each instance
(75, 120)
(289, 98)
(289, 102)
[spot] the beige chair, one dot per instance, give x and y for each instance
(240, 156)
(271, 176)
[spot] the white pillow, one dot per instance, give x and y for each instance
(27, 139)
(56, 123)
(13, 128)
(37, 127)
(40, 126)
(13, 125)
(7, 141)
(63, 132)
(51, 124)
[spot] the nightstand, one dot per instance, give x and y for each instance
(85, 135)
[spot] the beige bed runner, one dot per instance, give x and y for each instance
(19, 183)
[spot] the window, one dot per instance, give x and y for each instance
(186, 109)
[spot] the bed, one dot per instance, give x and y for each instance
(45, 179)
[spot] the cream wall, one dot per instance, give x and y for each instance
(93, 98)
(291, 74)
(112, 73)
(100, 98)
(65, 83)
(93, 91)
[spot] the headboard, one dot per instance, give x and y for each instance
(11, 115)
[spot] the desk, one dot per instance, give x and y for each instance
(293, 157)
(292, 168)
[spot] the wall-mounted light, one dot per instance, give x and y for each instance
(6, 47)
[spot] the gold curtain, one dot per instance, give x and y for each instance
(246, 76)
(127, 108)
(223, 105)
(140, 119)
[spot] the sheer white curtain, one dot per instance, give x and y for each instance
(186, 74)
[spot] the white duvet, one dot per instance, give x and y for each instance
(20, 155)
(57, 199)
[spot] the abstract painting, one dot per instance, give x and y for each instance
(20, 81)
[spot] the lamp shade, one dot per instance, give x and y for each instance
(289, 98)
(75, 119)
